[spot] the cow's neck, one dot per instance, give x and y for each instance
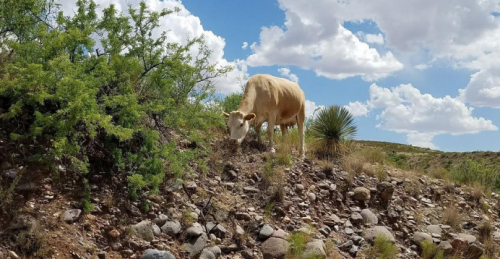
(248, 100)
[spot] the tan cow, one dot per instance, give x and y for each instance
(267, 98)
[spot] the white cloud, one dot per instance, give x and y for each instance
(422, 66)
(245, 45)
(422, 116)
(286, 73)
(357, 108)
(421, 140)
(312, 109)
(374, 38)
(179, 27)
(314, 39)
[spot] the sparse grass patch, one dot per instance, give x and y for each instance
(373, 155)
(439, 173)
(491, 249)
(382, 248)
(353, 163)
(452, 217)
(187, 217)
(380, 172)
(31, 242)
(476, 173)
(485, 230)
(269, 170)
(297, 241)
(431, 251)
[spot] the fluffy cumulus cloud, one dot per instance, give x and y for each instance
(313, 38)
(180, 26)
(421, 116)
(357, 108)
(312, 109)
(245, 45)
(286, 73)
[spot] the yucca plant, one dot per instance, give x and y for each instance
(331, 130)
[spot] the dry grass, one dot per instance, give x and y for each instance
(353, 164)
(452, 217)
(485, 230)
(187, 218)
(491, 249)
(438, 173)
(373, 155)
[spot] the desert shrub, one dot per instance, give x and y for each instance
(452, 217)
(119, 110)
(485, 230)
(431, 251)
(297, 241)
(330, 130)
(438, 173)
(476, 172)
(373, 155)
(353, 163)
(398, 160)
(382, 248)
(491, 249)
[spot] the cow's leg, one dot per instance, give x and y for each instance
(301, 118)
(257, 130)
(284, 130)
(270, 131)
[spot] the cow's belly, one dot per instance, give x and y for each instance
(292, 119)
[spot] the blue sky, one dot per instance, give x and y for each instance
(420, 72)
(241, 21)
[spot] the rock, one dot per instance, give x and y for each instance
(250, 189)
(206, 254)
(469, 238)
(315, 249)
(332, 220)
(346, 246)
(361, 194)
(71, 216)
(195, 245)
(265, 232)
(446, 247)
(160, 220)
(247, 254)
(353, 251)
(101, 255)
(459, 244)
(194, 231)
(239, 230)
(385, 191)
(217, 229)
(144, 230)
(371, 233)
(274, 248)
(215, 250)
(171, 228)
(311, 196)
(156, 230)
(299, 188)
(11, 173)
(243, 216)
(369, 217)
(434, 229)
(113, 233)
(475, 251)
(356, 218)
(156, 254)
(14, 255)
(420, 237)
(116, 246)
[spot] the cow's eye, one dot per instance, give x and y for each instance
(241, 125)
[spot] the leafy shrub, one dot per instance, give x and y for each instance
(476, 172)
(231, 102)
(331, 128)
(117, 111)
(382, 248)
(398, 160)
(439, 173)
(431, 251)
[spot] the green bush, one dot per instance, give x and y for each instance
(330, 129)
(382, 248)
(120, 110)
(231, 102)
(476, 172)
(431, 251)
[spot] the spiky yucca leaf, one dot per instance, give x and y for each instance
(330, 130)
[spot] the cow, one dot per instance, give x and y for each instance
(270, 99)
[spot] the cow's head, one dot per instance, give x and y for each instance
(238, 124)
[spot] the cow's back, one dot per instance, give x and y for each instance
(275, 95)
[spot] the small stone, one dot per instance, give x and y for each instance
(346, 246)
(361, 194)
(371, 233)
(13, 255)
(369, 217)
(71, 216)
(446, 247)
(144, 230)
(114, 233)
(420, 237)
(299, 188)
(239, 230)
(171, 228)
(311, 196)
(156, 254)
(356, 218)
(265, 232)
(101, 255)
(194, 231)
(160, 220)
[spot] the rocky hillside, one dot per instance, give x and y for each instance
(249, 205)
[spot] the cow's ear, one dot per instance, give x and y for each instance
(225, 114)
(250, 116)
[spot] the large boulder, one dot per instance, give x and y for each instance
(274, 248)
(144, 230)
(371, 233)
(420, 237)
(195, 245)
(369, 217)
(469, 238)
(361, 194)
(171, 228)
(315, 249)
(157, 254)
